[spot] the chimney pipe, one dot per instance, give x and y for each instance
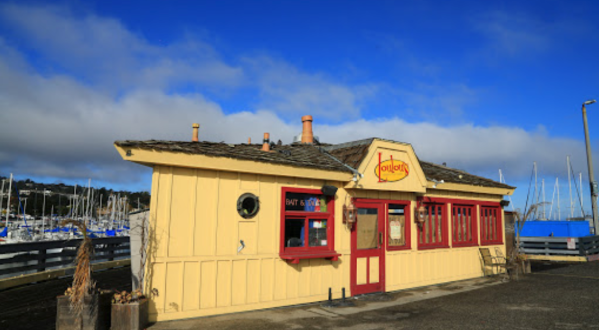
(249, 140)
(266, 143)
(307, 135)
(194, 137)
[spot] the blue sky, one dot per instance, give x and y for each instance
(478, 85)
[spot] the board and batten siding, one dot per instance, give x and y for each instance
(195, 231)
(416, 268)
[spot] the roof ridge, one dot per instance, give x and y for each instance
(464, 172)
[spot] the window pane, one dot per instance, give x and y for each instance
(294, 232)
(305, 202)
(367, 228)
(461, 223)
(317, 232)
(397, 225)
(431, 232)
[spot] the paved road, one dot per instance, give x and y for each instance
(558, 298)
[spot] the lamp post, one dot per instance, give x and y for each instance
(593, 184)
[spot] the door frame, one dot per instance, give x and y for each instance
(355, 253)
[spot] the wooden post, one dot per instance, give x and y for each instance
(41, 260)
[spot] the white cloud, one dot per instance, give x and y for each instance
(59, 127)
(62, 125)
(105, 53)
(290, 92)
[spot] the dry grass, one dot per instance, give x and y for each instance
(521, 219)
(82, 281)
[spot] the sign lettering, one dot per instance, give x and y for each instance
(391, 170)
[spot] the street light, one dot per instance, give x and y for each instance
(593, 184)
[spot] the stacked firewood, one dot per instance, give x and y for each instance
(125, 297)
(69, 291)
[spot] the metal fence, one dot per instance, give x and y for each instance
(587, 247)
(33, 257)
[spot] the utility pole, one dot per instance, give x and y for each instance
(592, 182)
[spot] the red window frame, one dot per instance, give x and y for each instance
(460, 225)
(441, 239)
(407, 226)
(294, 254)
(491, 224)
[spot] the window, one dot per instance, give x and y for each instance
(398, 228)
(307, 225)
(463, 225)
(490, 225)
(248, 205)
(433, 232)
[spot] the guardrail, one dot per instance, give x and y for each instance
(34, 257)
(579, 248)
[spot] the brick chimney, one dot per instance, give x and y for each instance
(266, 143)
(194, 136)
(307, 135)
(249, 140)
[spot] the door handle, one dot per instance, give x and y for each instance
(380, 238)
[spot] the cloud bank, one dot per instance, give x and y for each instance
(75, 85)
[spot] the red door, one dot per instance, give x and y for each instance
(367, 249)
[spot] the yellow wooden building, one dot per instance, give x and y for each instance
(238, 227)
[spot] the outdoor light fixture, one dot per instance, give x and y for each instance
(589, 102)
(420, 215)
(436, 182)
(350, 213)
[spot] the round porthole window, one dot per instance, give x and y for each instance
(248, 205)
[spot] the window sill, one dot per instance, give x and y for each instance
(432, 247)
(491, 243)
(398, 248)
(459, 245)
(294, 258)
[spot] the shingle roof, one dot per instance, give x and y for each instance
(302, 155)
(311, 156)
(452, 175)
(353, 153)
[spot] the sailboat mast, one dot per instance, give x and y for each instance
(543, 187)
(89, 190)
(74, 209)
(100, 210)
(2, 196)
(581, 199)
(501, 180)
(44, 214)
(570, 187)
(559, 212)
(8, 202)
(536, 194)
(551, 208)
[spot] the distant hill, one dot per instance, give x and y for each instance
(58, 195)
